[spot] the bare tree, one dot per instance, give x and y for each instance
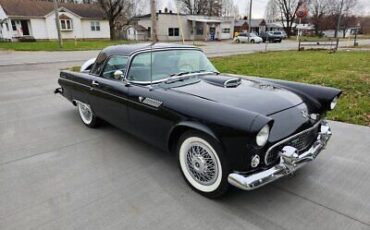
(229, 8)
(113, 9)
(272, 11)
(201, 7)
(341, 8)
(318, 10)
(288, 10)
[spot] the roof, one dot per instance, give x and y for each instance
(254, 22)
(204, 19)
(138, 28)
(37, 8)
(127, 50)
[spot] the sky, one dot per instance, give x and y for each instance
(258, 7)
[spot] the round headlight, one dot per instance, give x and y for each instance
(263, 136)
(333, 103)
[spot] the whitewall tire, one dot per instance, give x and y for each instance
(87, 115)
(202, 164)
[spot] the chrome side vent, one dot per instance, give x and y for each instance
(234, 82)
(150, 101)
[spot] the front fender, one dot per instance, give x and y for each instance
(178, 129)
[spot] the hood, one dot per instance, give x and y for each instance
(243, 93)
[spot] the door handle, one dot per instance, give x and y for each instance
(95, 83)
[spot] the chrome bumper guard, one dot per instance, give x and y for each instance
(289, 162)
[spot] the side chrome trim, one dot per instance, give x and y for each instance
(290, 161)
(288, 139)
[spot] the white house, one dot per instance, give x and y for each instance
(172, 26)
(19, 18)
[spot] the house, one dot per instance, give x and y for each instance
(257, 25)
(19, 18)
(135, 32)
(172, 26)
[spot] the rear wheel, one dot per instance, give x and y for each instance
(237, 41)
(252, 41)
(202, 164)
(87, 115)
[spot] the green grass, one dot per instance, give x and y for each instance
(68, 45)
(348, 71)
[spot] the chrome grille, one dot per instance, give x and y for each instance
(301, 141)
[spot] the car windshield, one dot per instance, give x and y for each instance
(160, 65)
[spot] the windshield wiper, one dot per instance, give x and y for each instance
(177, 76)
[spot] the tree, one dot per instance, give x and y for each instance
(113, 9)
(229, 8)
(341, 8)
(318, 10)
(288, 10)
(201, 7)
(271, 11)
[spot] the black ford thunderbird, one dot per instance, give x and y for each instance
(225, 129)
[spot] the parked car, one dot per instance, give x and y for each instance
(225, 129)
(281, 34)
(271, 37)
(246, 37)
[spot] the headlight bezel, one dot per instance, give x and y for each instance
(263, 135)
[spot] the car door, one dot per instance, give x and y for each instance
(109, 93)
(148, 119)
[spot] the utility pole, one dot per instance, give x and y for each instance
(57, 24)
(250, 19)
(339, 19)
(153, 9)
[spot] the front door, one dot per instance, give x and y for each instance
(25, 28)
(108, 94)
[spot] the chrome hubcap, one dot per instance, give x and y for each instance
(201, 164)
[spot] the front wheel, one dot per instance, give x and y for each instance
(87, 115)
(252, 41)
(202, 164)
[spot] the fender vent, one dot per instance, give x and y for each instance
(150, 102)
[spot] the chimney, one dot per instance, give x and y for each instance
(170, 11)
(160, 11)
(166, 10)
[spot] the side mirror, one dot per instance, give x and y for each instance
(118, 75)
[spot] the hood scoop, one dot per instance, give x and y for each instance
(222, 81)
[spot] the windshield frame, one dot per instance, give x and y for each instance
(132, 57)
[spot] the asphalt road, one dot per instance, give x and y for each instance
(57, 174)
(212, 49)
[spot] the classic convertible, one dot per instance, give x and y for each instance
(225, 129)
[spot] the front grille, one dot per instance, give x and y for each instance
(301, 141)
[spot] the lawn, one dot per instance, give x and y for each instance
(348, 71)
(68, 45)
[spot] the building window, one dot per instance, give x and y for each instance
(65, 24)
(226, 30)
(199, 30)
(14, 26)
(173, 32)
(95, 26)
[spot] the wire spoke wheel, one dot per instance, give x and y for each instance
(86, 113)
(200, 164)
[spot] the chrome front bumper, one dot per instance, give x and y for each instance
(289, 162)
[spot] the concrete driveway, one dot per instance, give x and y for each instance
(57, 174)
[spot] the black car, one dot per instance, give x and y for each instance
(270, 36)
(225, 129)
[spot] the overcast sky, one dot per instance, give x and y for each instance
(260, 5)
